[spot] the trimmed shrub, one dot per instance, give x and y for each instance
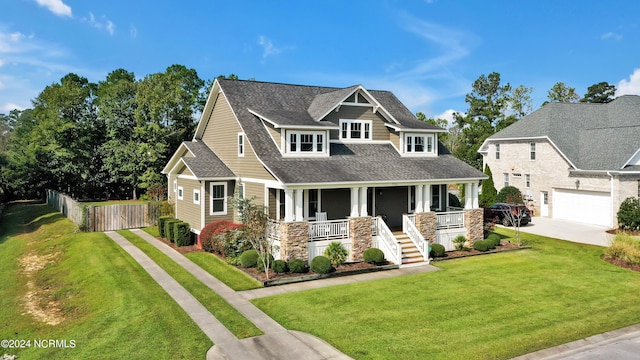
(249, 258)
(437, 250)
(168, 228)
(161, 221)
(625, 248)
(232, 241)
(182, 234)
(280, 266)
(211, 242)
(629, 214)
(337, 253)
(321, 265)
(510, 194)
(260, 265)
(459, 242)
(481, 245)
(494, 238)
(373, 256)
(298, 266)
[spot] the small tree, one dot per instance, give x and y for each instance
(254, 218)
(489, 193)
(629, 214)
(337, 253)
(516, 213)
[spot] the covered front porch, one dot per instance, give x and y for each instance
(401, 220)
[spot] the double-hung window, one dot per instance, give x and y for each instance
(196, 197)
(506, 179)
(218, 203)
(306, 142)
(240, 144)
(497, 151)
(355, 129)
(180, 193)
(419, 144)
(532, 151)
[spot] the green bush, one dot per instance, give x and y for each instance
(321, 265)
(481, 245)
(280, 266)
(249, 258)
(373, 256)
(298, 266)
(629, 214)
(509, 194)
(459, 242)
(182, 234)
(168, 228)
(625, 248)
(260, 265)
(437, 250)
(494, 239)
(215, 237)
(336, 253)
(161, 221)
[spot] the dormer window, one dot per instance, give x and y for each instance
(306, 142)
(419, 144)
(355, 130)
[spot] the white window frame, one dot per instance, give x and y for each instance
(427, 140)
(527, 180)
(175, 185)
(505, 178)
(224, 198)
(196, 197)
(532, 151)
(241, 144)
(365, 124)
(314, 146)
(180, 193)
(497, 151)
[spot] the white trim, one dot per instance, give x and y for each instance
(224, 198)
(171, 160)
(186, 177)
(420, 130)
(196, 196)
(180, 193)
(425, 137)
(314, 143)
(293, 126)
(202, 207)
(175, 185)
(269, 183)
(633, 160)
(532, 150)
(364, 124)
(349, 184)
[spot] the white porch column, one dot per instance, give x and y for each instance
(363, 201)
(468, 196)
(288, 205)
(426, 198)
(419, 199)
(299, 208)
(476, 191)
(354, 201)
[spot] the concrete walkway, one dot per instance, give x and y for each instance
(277, 343)
(568, 230)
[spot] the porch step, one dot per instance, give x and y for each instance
(410, 253)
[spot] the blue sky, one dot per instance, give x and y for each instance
(427, 52)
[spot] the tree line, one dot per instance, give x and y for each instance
(105, 140)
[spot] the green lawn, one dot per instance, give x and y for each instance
(232, 277)
(485, 307)
(110, 306)
(225, 313)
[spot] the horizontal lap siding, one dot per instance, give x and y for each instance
(221, 135)
(207, 203)
(380, 131)
(255, 191)
(186, 210)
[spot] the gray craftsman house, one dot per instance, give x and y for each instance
(573, 161)
(329, 164)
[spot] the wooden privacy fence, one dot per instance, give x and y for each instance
(104, 218)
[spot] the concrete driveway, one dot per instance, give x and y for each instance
(568, 230)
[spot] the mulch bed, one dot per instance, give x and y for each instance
(630, 232)
(620, 263)
(181, 249)
(505, 246)
(350, 268)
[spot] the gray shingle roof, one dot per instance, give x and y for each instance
(591, 136)
(205, 164)
(352, 162)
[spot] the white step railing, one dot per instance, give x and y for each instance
(273, 235)
(328, 230)
(409, 228)
(374, 226)
(450, 220)
(388, 243)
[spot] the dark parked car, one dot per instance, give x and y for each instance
(505, 214)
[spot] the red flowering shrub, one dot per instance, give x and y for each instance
(211, 242)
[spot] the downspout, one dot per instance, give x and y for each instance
(611, 198)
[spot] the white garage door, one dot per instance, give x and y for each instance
(583, 206)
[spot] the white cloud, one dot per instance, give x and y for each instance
(10, 106)
(268, 48)
(56, 6)
(133, 32)
(631, 86)
(447, 115)
(102, 23)
(611, 35)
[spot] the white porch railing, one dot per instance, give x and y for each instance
(450, 220)
(388, 243)
(328, 230)
(374, 226)
(318, 247)
(273, 235)
(409, 228)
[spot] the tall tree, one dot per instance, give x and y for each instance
(601, 92)
(560, 92)
(489, 192)
(520, 101)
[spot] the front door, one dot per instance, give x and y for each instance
(544, 203)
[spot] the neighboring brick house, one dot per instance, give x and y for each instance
(346, 154)
(573, 161)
